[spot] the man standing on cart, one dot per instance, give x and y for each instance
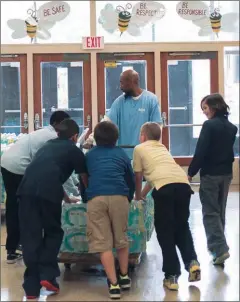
(131, 110)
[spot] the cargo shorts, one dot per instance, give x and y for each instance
(107, 222)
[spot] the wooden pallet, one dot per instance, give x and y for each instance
(92, 259)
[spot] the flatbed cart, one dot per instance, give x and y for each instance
(93, 259)
(74, 247)
(140, 229)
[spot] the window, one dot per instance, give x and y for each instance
(188, 82)
(236, 67)
(231, 87)
(185, 80)
(61, 82)
(62, 88)
(231, 82)
(69, 30)
(171, 28)
(13, 94)
(112, 76)
(11, 97)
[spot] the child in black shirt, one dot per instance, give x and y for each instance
(40, 203)
(214, 158)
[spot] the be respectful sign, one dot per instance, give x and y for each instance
(145, 10)
(148, 11)
(192, 10)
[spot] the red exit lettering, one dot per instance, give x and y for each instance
(93, 42)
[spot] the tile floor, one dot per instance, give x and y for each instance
(78, 285)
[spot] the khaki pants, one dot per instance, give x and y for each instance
(107, 222)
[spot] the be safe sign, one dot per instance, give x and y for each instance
(93, 42)
(54, 11)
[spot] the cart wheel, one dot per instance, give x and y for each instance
(67, 266)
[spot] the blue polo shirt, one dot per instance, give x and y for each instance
(129, 114)
(110, 173)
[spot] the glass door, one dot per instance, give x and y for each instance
(231, 87)
(110, 67)
(13, 94)
(62, 81)
(185, 79)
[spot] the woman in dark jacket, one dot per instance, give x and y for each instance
(214, 157)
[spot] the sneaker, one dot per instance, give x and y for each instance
(124, 282)
(32, 297)
(51, 286)
(19, 248)
(194, 271)
(221, 259)
(171, 282)
(13, 258)
(114, 291)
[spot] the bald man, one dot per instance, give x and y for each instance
(131, 110)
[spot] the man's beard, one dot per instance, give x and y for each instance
(129, 94)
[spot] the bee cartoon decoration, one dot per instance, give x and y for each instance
(33, 27)
(124, 17)
(37, 24)
(215, 19)
(31, 24)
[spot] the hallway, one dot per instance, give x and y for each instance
(90, 285)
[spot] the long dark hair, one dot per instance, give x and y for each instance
(216, 102)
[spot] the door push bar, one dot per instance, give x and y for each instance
(12, 127)
(182, 125)
(24, 126)
(38, 126)
(165, 125)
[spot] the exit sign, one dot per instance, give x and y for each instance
(93, 42)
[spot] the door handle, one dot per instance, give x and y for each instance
(88, 121)
(25, 121)
(37, 121)
(164, 119)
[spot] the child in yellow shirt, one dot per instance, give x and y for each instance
(171, 194)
